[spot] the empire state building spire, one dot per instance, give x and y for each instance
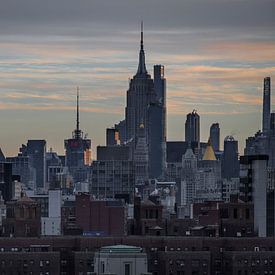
(141, 66)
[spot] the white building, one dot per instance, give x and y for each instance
(51, 225)
(121, 260)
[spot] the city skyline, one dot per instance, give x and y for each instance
(217, 70)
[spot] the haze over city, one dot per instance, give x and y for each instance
(216, 54)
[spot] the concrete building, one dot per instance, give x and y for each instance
(51, 225)
(110, 178)
(121, 260)
(253, 188)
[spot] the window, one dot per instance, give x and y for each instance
(235, 213)
(102, 267)
(127, 269)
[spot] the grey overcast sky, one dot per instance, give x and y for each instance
(215, 52)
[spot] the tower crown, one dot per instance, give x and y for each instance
(141, 65)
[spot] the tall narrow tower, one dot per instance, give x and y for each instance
(78, 150)
(266, 105)
(139, 95)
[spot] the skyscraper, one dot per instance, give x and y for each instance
(192, 127)
(78, 151)
(215, 136)
(146, 105)
(230, 162)
(266, 105)
(36, 152)
(139, 96)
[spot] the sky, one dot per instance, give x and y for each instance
(215, 52)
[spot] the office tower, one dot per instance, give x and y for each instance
(112, 137)
(122, 152)
(35, 150)
(230, 162)
(253, 187)
(6, 180)
(139, 96)
(110, 178)
(121, 127)
(160, 90)
(266, 105)
(141, 157)
(22, 166)
(192, 127)
(156, 141)
(78, 152)
(215, 136)
(157, 126)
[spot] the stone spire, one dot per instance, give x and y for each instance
(141, 66)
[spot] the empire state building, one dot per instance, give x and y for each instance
(139, 95)
(146, 106)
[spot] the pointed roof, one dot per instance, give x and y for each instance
(189, 154)
(209, 152)
(141, 66)
(2, 157)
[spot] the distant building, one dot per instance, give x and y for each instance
(112, 137)
(51, 225)
(187, 188)
(209, 183)
(35, 150)
(266, 106)
(23, 218)
(230, 161)
(100, 217)
(141, 158)
(110, 178)
(121, 259)
(6, 184)
(215, 136)
(2, 157)
(192, 127)
(121, 127)
(78, 152)
(122, 152)
(253, 188)
(22, 166)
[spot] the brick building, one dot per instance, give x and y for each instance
(22, 219)
(100, 217)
